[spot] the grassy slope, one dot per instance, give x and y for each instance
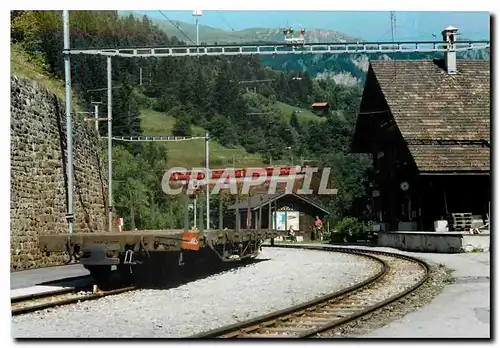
(303, 115)
(192, 153)
(21, 65)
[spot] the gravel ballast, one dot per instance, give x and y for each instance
(284, 278)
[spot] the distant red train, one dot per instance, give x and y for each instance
(236, 175)
(239, 173)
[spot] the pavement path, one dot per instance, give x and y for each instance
(462, 310)
(32, 277)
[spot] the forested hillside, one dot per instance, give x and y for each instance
(330, 66)
(210, 93)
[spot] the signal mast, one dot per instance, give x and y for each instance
(288, 32)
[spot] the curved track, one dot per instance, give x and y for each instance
(322, 316)
(70, 295)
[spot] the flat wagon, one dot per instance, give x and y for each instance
(139, 252)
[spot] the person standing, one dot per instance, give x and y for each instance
(318, 224)
(291, 232)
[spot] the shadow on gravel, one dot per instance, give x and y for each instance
(169, 277)
(183, 276)
(69, 282)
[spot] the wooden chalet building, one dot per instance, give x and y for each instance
(427, 126)
(320, 108)
(279, 210)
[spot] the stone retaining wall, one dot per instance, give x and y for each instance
(38, 174)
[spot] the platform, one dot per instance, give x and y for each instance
(435, 242)
(46, 275)
(46, 289)
(49, 279)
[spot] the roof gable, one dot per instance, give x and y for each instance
(260, 200)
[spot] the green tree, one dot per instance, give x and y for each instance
(222, 129)
(182, 127)
(131, 195)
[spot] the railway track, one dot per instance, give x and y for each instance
(28, 304)
(68, 295)
(325, 316)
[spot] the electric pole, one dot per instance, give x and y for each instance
(70, 216)
(110, 146)
(207, 177)
(194, 206)
(197, 14)
(393, 24)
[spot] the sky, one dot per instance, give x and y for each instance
(368, 25)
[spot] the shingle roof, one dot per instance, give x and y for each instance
(429, 158)
(429, 103)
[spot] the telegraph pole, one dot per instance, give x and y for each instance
(70, 216)
(194, 209)
(207, 176)
(393, 24)
(110, 145)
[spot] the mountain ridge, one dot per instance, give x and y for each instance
(211, 35)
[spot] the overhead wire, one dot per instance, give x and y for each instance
(225, 21)
(178, 27)
(433, 35)
(228, 24)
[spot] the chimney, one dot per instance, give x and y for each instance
(450, 56)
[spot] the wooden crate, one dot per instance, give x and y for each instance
(460, 221)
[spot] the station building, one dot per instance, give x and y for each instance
(280, 210)
(426, 124)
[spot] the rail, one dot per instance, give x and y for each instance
(62, 297)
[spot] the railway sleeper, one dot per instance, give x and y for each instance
(287, 329)
(311, 319)
(307, 323)
(261, 335)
